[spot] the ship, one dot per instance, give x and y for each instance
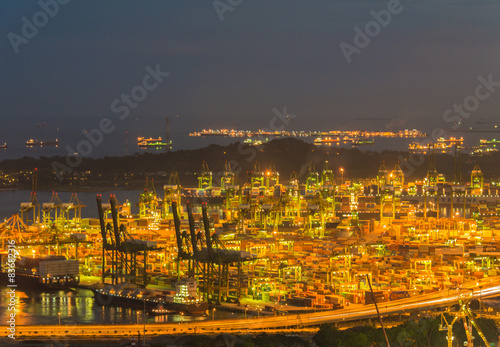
(477, 152)
(326, 141)
(36, 143)
(51, 272)
(155, 301)
(255, 142)
(4, 145)
(362, 142)
(493, 142)
(143, 143)
(442, 145)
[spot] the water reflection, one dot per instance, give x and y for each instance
(77, 307)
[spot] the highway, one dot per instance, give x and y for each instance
(484, 288)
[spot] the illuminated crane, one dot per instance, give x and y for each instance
(464, 313)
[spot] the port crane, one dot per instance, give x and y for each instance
(148, 200)
(123, 250)
(54, 205)
(75, 205)
(208, 260)
(464, 313)
(14, 228)
(231, 191)
(205, 179)
(171, 192)
(33, 204)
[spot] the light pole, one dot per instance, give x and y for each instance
(144, 321)
(246, 308)
(213, 314)
(480, 299)
(182, 316)
(59, 314)
(342, 173)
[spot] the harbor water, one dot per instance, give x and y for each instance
(76, 306)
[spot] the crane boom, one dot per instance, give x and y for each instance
(177, 225)
(101, 221)
(192, 231)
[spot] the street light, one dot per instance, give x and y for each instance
(144, 321)
(59, 314)
(182, 315)
(342, 172)
(246, 308)
(213, 314)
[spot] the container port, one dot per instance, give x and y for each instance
(283, 246)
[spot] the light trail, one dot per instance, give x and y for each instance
(482, 288)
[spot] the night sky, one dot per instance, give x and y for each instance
(264, 54)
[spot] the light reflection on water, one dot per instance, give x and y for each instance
(77, 307)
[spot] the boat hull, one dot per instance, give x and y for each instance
(36, 282)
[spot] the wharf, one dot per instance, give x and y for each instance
(252, 307)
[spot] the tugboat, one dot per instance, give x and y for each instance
(160, 310)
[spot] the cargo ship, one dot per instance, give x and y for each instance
(362, 142)
(144, 143)
(442, 145)
(36, 143)
(493, 142)
(155, 301)
(326, 141)
(255, 142)
(477, 152)
(52, 272)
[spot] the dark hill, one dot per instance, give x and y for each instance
(287, 154)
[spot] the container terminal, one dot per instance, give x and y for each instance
(266, 247)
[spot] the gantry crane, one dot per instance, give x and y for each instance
(123, 250)
(171, 193)
(33, 204)
(208, 260)
(464, 313)
(148, 200)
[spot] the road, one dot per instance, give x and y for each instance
(489, 287)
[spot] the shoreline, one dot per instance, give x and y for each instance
(69, 189)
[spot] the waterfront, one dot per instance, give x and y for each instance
(118, 144)
(296, 257)
(77, 307)
(10, 200)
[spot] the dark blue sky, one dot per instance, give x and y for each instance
(265, 54)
